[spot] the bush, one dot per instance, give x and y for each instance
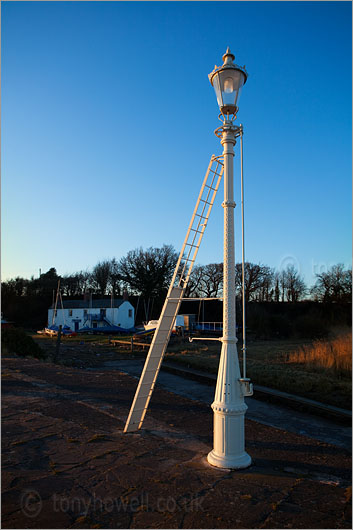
(15, 340)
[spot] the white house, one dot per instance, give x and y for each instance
(93, 314)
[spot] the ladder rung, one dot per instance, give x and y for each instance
(197, 231)
(194, 246)
(207, 186)
(206, 202)
(188, 259)
(202, 216)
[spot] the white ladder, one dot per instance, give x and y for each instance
(175, 294)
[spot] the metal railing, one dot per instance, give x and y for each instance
(208, 326)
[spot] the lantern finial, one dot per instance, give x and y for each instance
(228, 57)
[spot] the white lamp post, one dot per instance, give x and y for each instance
(229, 406)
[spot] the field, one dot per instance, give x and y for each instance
(319, 370)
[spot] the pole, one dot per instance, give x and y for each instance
(229, 406)
(57, 346)
(242, 249)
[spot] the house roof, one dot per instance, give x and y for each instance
(87, 304)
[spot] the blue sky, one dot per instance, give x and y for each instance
(108, 120)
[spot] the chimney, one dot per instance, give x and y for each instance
(86, 297)
(125, 295)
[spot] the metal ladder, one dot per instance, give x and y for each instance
(175, 294)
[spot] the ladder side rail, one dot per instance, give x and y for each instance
(198, 203)
(204, 224)
(146, 365)
(157, 370)
(201, 215)
(170, 310)
(190, 225)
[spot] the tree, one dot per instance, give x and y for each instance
(192, 288)
(257, 280)
(282, 282)
(335, 285)
(114, 279)
(16, 287)
(276, 290)
(100, 276)
(211, 281)
(148, 272)
(294, 284)
(265, 292)
(44, 285)
(75, 284)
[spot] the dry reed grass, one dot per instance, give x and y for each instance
(334, 354)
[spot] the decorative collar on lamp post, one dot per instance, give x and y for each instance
(227, 81)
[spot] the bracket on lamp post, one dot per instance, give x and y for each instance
(237, 128)
(246, 386)
(191, 339)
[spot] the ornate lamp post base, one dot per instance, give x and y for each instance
(228, 462)
(229, 409)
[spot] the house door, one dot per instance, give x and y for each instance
(76, 325)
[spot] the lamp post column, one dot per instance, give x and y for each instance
(229, 406)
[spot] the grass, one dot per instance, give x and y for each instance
(332, 355)
(84, 337)
(319, 370)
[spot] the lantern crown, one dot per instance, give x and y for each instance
(227, 81)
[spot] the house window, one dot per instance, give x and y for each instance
(130, 313)
(85, 312)
(94, 325)
(70, 312)
(56, 313)
(103, 312)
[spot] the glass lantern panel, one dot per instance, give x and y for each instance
(231, 81)
(217, 88)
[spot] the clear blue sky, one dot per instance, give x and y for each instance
(108, 120)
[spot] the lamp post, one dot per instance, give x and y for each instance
(229, 407)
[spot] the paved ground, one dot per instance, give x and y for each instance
(66, 462)
(271, 414)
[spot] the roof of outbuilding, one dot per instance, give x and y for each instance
(87, 304)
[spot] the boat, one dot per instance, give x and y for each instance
(54, 330)
(150, 325)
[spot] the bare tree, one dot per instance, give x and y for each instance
(75, 284)
(276, 293)
(114, 278)
(211, 281)
(257, 279)
(294, 284)
(335, 285)
(193, 285)
(148, 272)
(282, 283)
(100, 276)
(265, 292)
